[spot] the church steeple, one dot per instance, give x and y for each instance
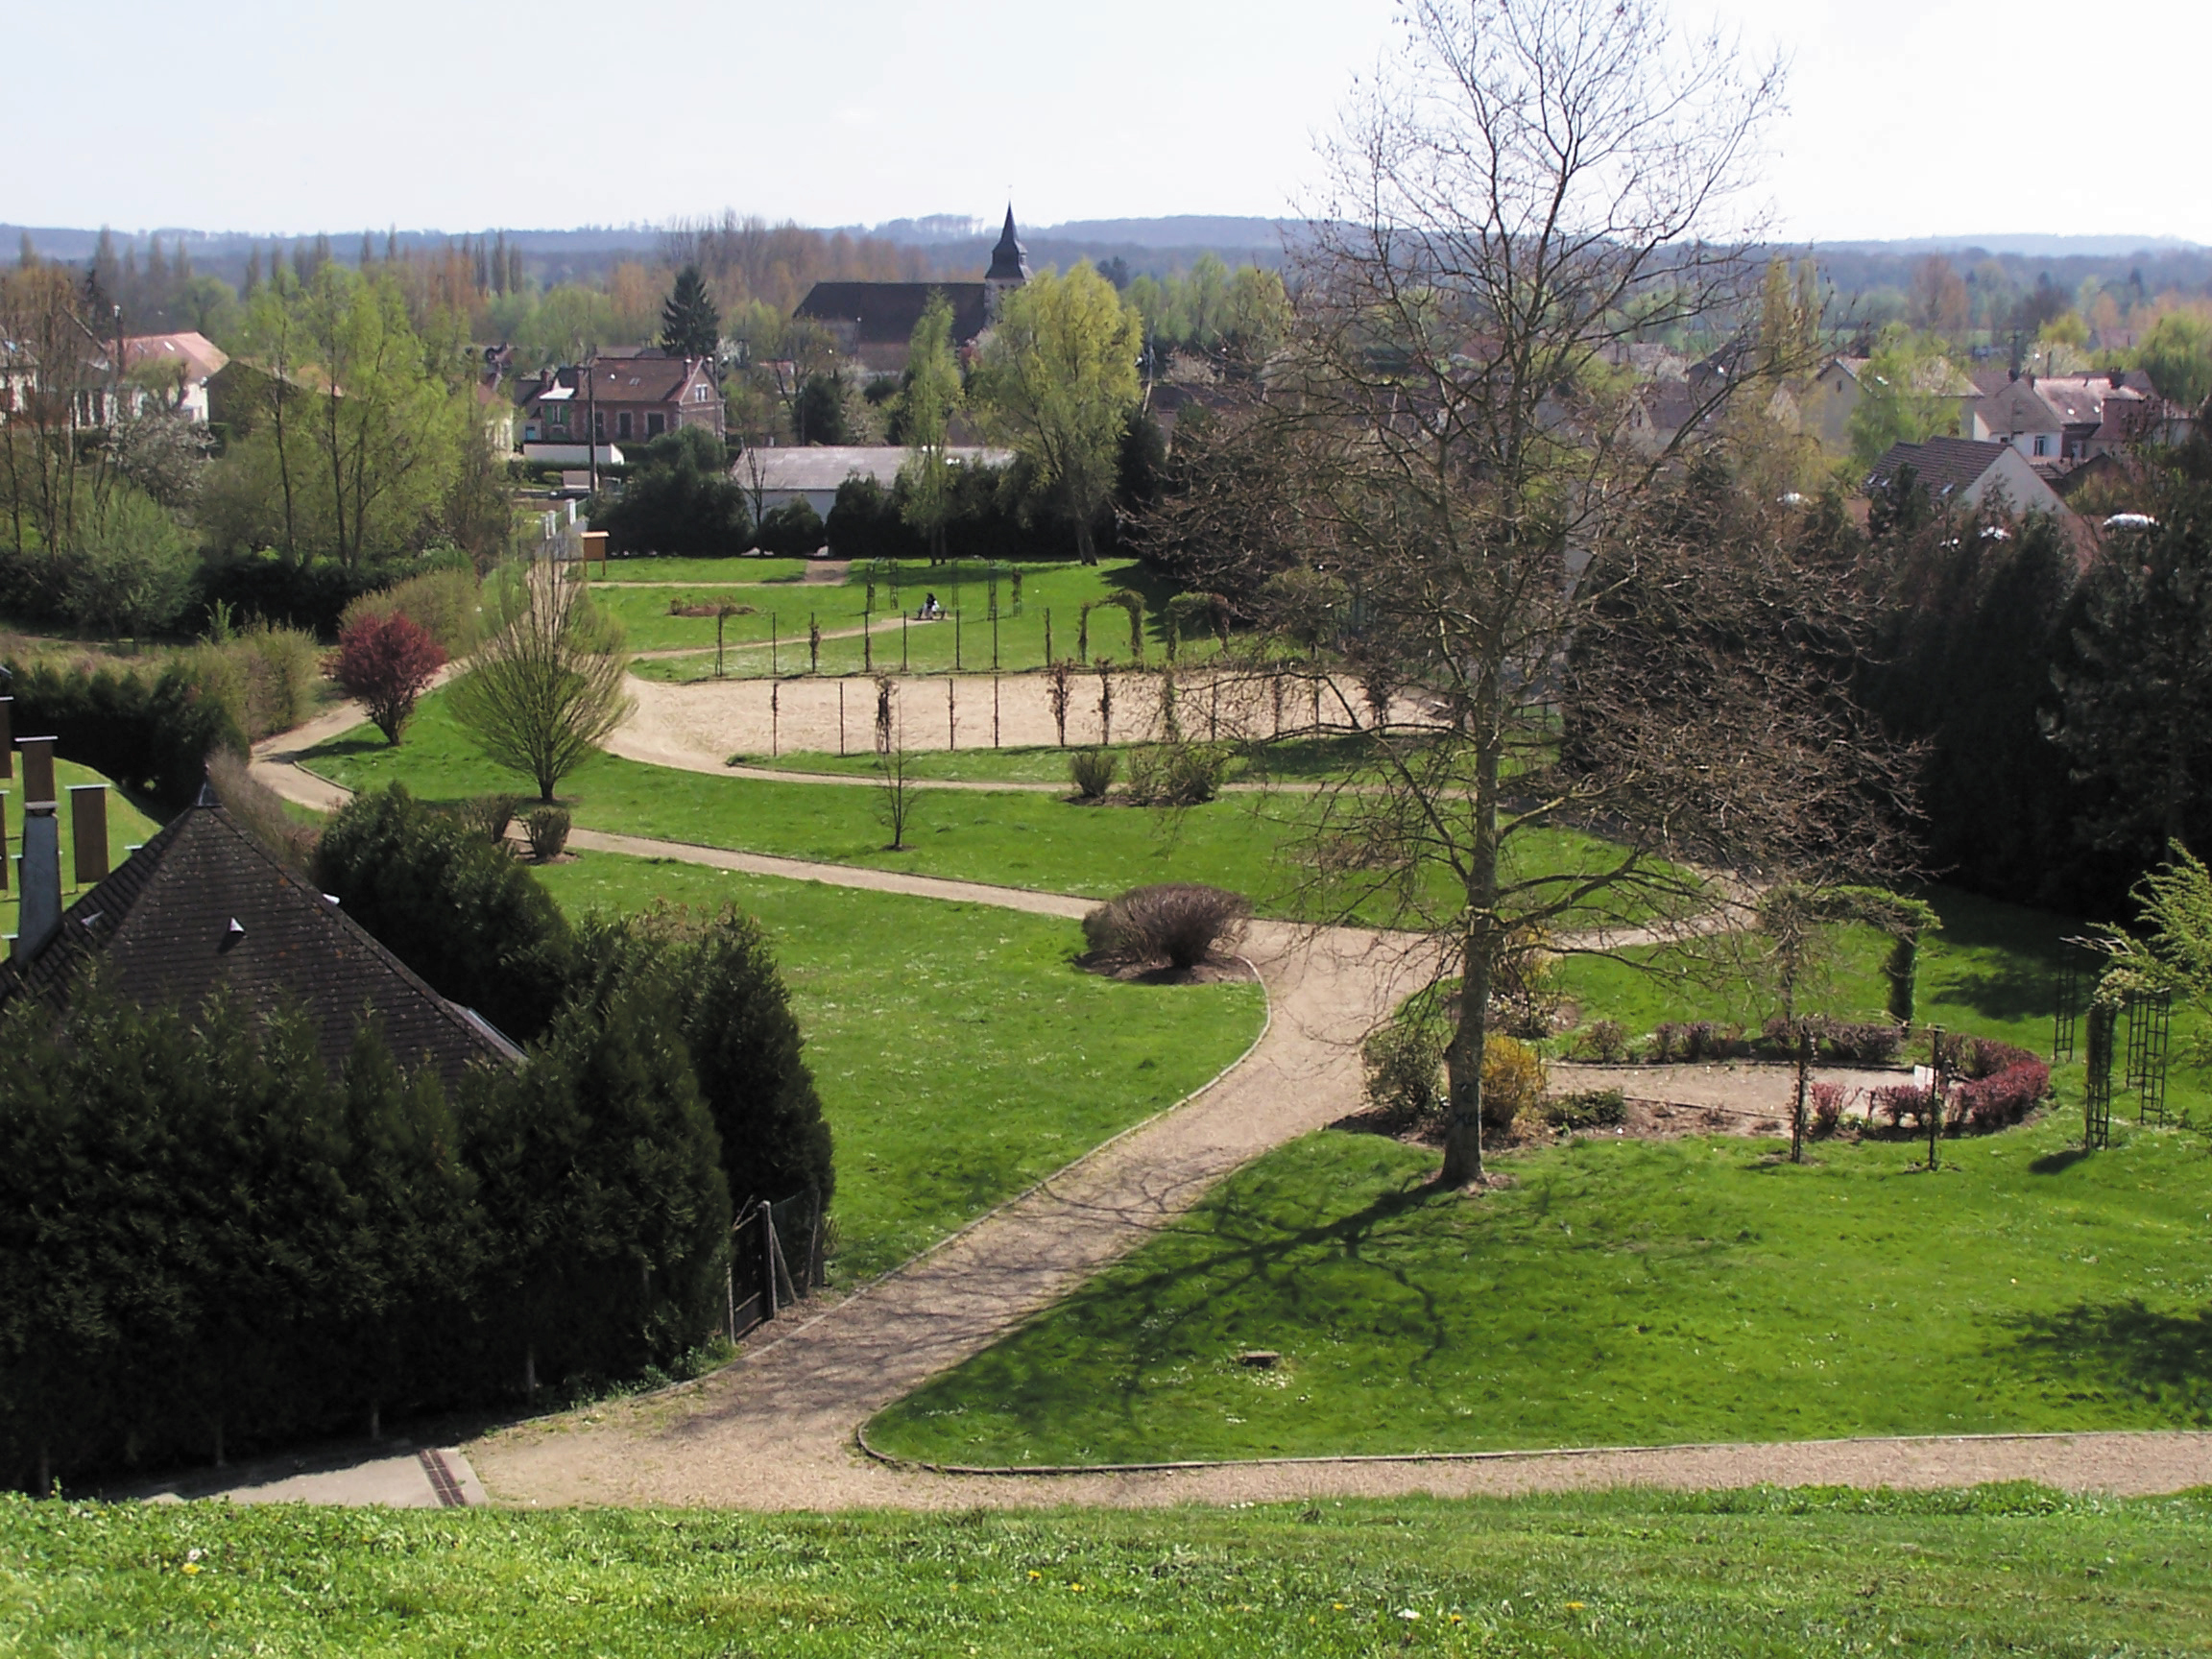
(1009, 262)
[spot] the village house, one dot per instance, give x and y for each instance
(1959, 474)
(1838, 387)
(2064, 420)
(618, 400)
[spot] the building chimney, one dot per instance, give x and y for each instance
(40, 915)
(88, 831)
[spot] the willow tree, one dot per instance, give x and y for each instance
(926, 406)
(1587, 665)
(1057, 382)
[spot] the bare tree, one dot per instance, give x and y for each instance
(546, 687)
(1624, 671)
(895, 798)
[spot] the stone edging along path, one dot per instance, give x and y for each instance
(781, 1428)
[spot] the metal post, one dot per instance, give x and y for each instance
(771, 644)
(774, 718)
(951, 724)
(903, 641)
(840, 720)
(1936, 1109)
(994, 711)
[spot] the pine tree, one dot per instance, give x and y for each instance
(690, 325)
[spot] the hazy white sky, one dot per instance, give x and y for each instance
(1908, 118)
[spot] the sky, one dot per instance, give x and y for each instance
(1907, 117)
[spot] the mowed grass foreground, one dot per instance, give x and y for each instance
(960, 1054)
(1999, 1570)
(1618, 1293)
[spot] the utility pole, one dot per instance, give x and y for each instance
(591, 416)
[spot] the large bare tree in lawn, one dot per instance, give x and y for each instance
(1626, 671)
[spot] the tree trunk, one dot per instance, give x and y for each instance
(1464, 1057)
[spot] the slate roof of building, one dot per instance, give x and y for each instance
(201, 906)
(1941, 466)
(885, 313)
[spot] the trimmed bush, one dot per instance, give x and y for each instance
(1513, 1082)
(547, 827)
(1873, 1044)
(490, 815)
(1606, 1042)
(2004, 1097)
(1403, 1068)
(1588, 1109)
(1179, 922)
(149, 732)
(1178, 774)
(1902, 1102)
(1092, 771)
(1829, 1100)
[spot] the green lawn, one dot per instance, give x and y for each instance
(1620, 1292)
(1282, 760)
(959, 1055)
(1016, 839)
(2001, 1570)
(1051, 595)
(126, 828)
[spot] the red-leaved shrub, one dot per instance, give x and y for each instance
(1902, 1101)
(387, 663)
(1828, 1102)
(2005, 1097)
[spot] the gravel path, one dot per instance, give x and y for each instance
(779, 1429)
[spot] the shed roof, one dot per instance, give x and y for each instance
(201, 906)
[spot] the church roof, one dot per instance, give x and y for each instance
(885, 313)
(201, 906)
(1009, 260)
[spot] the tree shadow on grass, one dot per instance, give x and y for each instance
(2130, 1348)
(1104, 1349)
(2059, 1162)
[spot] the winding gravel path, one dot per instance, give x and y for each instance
(779, 1428)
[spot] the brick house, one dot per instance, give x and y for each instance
(622, 401)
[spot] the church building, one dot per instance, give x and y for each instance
(873, 323)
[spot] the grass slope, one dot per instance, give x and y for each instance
(2000, 1570)
(126, 828)
(959, 1055)
(1620, 1292)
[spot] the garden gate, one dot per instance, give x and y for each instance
(765, 1241)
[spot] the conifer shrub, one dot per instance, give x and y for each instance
(458, 910)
